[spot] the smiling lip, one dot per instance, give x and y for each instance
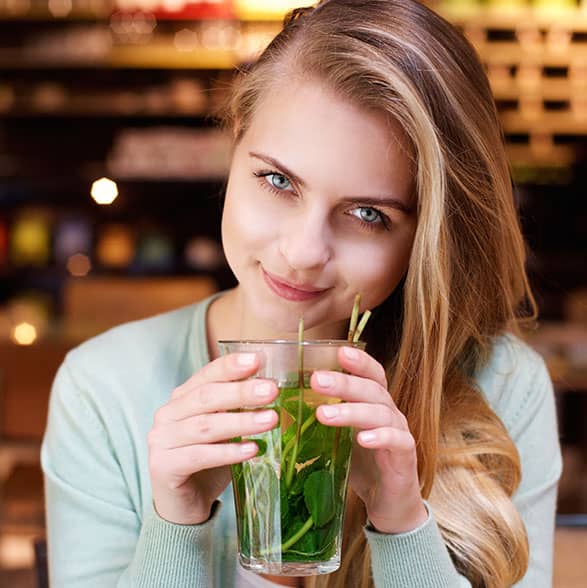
(298, 293)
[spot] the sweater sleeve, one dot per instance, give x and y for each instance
(420, 558)
(534, 429)
(416, 559)
(95, 536)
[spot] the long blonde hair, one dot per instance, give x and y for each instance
(466, 282)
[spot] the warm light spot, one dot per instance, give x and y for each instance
(104, 191)
(116, 246)
(173, 5)
(264, 9)
(24, 334)
(16, 551)
(60, 8)
(31, 240)
(17, 7)
(7, 97)
(186, 40)
(79, 265)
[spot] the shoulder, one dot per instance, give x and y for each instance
(129, 341)
(138, 363)
(514, 379)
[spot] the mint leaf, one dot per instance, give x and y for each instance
(319, 497)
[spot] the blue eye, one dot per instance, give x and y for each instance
(278, 181)
(371, 218)
(274, 181)
(368, 215)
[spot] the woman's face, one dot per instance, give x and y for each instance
(319, 207)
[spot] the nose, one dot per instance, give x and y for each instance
(305, 242)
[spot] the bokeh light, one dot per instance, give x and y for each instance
(24, 334)
(104, 191)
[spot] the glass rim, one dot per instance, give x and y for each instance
(293, 342)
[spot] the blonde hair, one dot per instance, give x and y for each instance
(466, 282)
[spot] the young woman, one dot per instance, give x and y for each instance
(368, 158)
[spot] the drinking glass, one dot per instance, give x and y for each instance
(290, 497)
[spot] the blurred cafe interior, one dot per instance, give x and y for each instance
(108, 137)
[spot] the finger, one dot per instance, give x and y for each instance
(359, 415)
(228, 368)
(350, 388)
(211, 428)
(218, 396)
(398, 441)
(190, 459)
(360, 363)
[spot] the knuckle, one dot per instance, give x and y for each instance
(203, 426)
(160, 416)
(156, 467)
(402, 420)
(176, 392)
(203, 374)
(172, 484)
(381, 376)
(153, 439)
(408, 443)
(388, 414)
(248, 392)
(205, 397)
(197, 462)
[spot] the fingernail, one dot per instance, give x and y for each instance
(329, 411)
(248, 448)
(245, 359)
(264, 417)
(367, 437)
(324, 380)
(262, 390)
(351, 353)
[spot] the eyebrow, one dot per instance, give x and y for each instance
(369, 200)
(272, 161)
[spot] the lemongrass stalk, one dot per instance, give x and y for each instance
(354, 318)
(294, 457)
(362, 324)
(289, 445)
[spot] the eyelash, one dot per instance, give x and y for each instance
(384, 222)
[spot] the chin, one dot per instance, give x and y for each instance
(282, 325)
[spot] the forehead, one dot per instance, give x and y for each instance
(309, 128)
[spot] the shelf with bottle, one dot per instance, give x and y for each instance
(51, 152)
(513, 14)
(134, 40)
(46, 247)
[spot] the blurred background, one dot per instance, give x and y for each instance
(111, 169)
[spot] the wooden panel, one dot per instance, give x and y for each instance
(26, 374)
(92, 305)
(570, 564)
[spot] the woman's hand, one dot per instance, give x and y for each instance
(189, 452)
(384, 471)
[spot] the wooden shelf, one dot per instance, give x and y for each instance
(516, 17)
(511, 88)
(154, 56)
(563, 123)
(541, 54)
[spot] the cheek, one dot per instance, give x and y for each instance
(377, 278)
(246, 224)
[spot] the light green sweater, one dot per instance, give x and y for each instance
(103, 532)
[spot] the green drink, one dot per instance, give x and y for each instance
(290, 497)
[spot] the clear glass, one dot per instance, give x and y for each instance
(290, 497)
